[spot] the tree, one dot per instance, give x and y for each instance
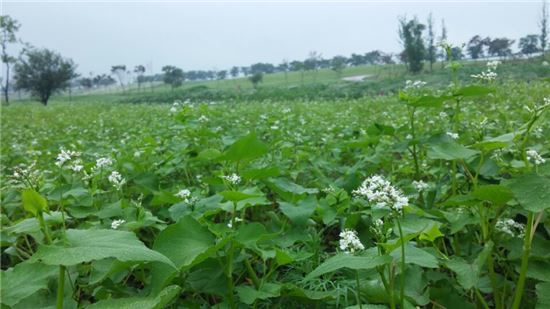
(221, 75)
(8, 28)
(120, 73)
(256, 78)
(456, 53)
(312, 63)
(284, 67)
(500, 47)
(410, 32)
(442, 41)
(356, 60)
(337, 64)
(373, 57)
(139, 70)
(431, 52)
(475, 47)
(234, 72)
(173, 76)
(246, 71)
(86, 82)
(43, 72)
(529, 44)
(543, 23)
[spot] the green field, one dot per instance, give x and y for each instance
(270, 198)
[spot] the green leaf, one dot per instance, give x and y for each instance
(495, 142)
(249, 234)
(340, 261)
(300, 212)
(468, 274)
(414, 255)
(543, 297)
(208, 154)
(33, 202)
(261, 173)
(150, 302)
(532, 191)
(289, 190)
(90, 245)
(184, 243)
(496, 194)
(449, 150)
(282, 257)
(246, 148)
(236, 196)
(249, 295)
(473, 90)
(428, 101)
(23, 280)
(431, 233)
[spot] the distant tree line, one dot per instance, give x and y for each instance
(42, 72)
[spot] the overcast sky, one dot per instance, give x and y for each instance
(218, 35)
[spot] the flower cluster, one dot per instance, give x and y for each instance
(535, 157)
(233, 178)
(116, 223)
(175, 106)
(28, 175)
(184, 194)
(486, 75)
(417, 84)
(116, 179)
(452, 135)
(420, 185)
(511, 227)
(237, 219)
(381, 193)
(349, 242)
(493, 65)
(69, 159)
(490, 74)
(103, 162)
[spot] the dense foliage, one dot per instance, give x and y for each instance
(436, 197)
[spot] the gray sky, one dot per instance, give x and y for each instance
(219, 35)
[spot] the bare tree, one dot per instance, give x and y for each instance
(120, 72)
(139, 70)
(543, 23)
(431, 52)
(8, 28)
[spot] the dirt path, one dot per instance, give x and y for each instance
(356, 78)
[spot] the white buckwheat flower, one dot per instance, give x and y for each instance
(103, 162)
(381, 193)
(184, 194)
(237, 219)
(233, 178)
(511, 227)
(66, 156)
(116, 179)
(534, 156)
(493, 65)
(349, 242)
(420, 185)
(116, 223)
(452, 135)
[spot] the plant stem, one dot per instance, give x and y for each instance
(402, 295)
(60, 287)
(252, 274)
(40, 217)
(480, 297)
(524, 261)
(358, 290)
